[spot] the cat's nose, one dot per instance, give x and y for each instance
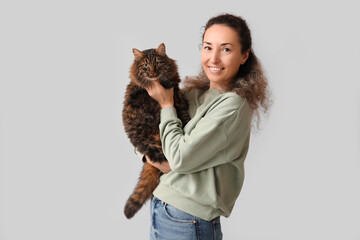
(153, 75)
(152, 71)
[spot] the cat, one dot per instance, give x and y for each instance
(141, 116)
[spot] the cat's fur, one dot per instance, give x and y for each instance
(141, 116)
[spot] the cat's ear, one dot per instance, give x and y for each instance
(161, 49)
(137, 54)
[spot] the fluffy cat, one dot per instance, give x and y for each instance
(141, 116)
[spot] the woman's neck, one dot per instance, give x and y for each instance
(218, 86)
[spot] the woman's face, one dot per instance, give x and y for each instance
(221, 55)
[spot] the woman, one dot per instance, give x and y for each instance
(205, 169)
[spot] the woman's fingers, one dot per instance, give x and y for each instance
(165, 97)
(164, 166)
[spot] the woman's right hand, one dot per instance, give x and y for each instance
(165, 97)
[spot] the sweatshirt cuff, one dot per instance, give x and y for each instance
(140, 155)
(168, 113)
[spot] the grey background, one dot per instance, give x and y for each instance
(67, 166)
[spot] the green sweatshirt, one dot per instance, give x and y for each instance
(207, 156)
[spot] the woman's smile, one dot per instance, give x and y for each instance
(216, 69)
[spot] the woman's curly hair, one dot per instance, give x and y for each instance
(250, 81)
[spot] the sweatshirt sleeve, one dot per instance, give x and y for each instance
(139, 154)
(206, 145)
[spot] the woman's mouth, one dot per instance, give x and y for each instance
(215, 69)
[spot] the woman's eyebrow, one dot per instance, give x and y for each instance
(209, 43)
(225, 44)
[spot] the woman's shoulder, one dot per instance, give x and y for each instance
(234, 99)
(229, 102)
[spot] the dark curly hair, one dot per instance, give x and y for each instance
(250, 81)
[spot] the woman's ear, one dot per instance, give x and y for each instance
(245, 56)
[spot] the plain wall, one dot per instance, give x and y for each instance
(67, 167)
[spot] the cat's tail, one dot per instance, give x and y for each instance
(149, 179)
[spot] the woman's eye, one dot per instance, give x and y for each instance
(227, 49)
(207, 48)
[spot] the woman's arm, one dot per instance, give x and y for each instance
(205, 146)
(224, 126)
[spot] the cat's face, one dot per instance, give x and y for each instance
(152, 65)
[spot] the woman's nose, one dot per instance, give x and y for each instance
(215, 57)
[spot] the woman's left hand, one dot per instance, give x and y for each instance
(165, 97)
(164, 166)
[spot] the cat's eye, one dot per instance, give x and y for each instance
(145, 65)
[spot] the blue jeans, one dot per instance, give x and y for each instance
(169, 223)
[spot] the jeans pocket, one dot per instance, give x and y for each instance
(177, 215)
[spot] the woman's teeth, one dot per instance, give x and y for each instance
(215, 69)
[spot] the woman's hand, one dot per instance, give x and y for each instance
(165, 97)
(164, 166)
